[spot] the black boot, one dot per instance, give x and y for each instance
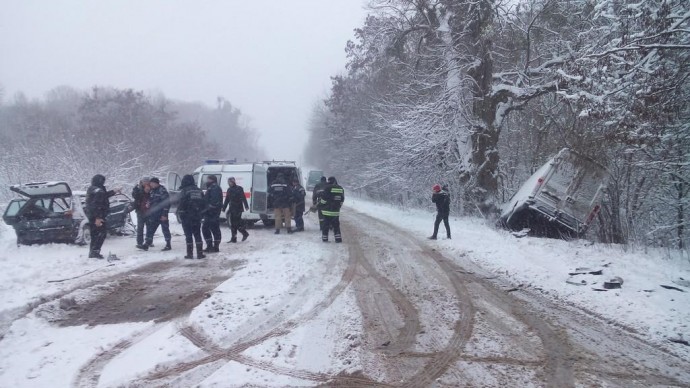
(167, 246)
(277, 231)
(190, 251)
(432, 238)
(143, 247)
(245, 234)
(95, 255)
(200, 251)
(216, 246)
(289, 230)
(209, 246)
(233, 239)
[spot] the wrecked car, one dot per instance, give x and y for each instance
(118, 221)
(561, 199)
(49, 212)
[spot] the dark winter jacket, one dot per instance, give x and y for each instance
(298, 195)
(281, 194)
(235, 200)
(141, 199)
(332, 200)
(192, 203)
(316, 194)
(97, 202)
(442, 201)
(214, 202)
(159, 202)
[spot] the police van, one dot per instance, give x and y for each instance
(255, 178)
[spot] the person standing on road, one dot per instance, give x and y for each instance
(236, 204)
(97, 209)
(159, 208)
(214, 205)
(190, 210)
(332, 200)
(316, 196)
(141, 196)
(441, 197)
(298, 206)
(281, 196)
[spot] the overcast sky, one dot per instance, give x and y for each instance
(271, 58)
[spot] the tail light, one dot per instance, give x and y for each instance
(593, 214)
(540, 181)
(247, 195)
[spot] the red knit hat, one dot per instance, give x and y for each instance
(436, 188)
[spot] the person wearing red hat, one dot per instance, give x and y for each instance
(441, 198)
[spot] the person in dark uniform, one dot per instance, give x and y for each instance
(158, 214)
(316, 195)
(141, 195)
(298, 204)
(236, 204)
(281, 195)
(97, 209)
(214, 205)
(441, 198)
(332, 200)
(190, 210)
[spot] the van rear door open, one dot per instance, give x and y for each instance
(259, 189)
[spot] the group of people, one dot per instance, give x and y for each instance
(288, 202)
(199, 212)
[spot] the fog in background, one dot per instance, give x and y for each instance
(270, 58)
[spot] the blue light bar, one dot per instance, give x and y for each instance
(221, 161)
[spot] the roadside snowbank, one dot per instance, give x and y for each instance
(544, 265)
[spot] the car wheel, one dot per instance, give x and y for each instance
(87, 234)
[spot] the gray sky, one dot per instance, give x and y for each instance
(271, 58)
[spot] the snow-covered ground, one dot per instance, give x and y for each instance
(278, 278)
(544, 265)
(290, 310)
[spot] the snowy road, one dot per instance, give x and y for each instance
(383, 309)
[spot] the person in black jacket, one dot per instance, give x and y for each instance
(190, 210)
(158, 214)
(331, 201)
(235, 203)
(141, 194)
(214, 205)
(298, 205)
(281, 195)
(316, 195)
(97, 209)
(441, 198)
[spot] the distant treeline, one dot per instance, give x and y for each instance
(124, 134)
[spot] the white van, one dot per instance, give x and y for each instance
(562, 198)
(255, 178)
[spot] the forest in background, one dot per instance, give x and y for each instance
(479, 94)
(124, 134)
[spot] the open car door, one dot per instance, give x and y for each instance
(43, 190)
(11, 213)
(173, 182)
(119, 210)
(259, 198)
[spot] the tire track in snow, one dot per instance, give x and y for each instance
(278, 327)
